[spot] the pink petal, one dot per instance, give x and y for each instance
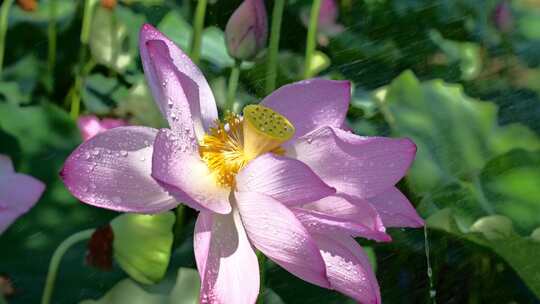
(358, 166)
(18, 193)
(112, 170)
(275, 231)
(227, 264)
(336, 212)
(316, 221)
(285, 179)
(396, 210)
(170, 89)
(311, 104)
(348, 268)
(89, 126)
(177, 165)
(109, 123)
(178, 86)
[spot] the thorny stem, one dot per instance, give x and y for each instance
(4, 13)
(262, 270)
(88, 13)
(432, 291)
(233, 85)
(273, 48)
(198, 24)
(57, 257)
(311, 42)
(51, 32)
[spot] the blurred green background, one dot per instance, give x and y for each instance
(460, 77)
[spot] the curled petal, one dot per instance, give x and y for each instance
(275, 231)
(316, 221)
(176, 164)
(362, 167)
(348, 268)
(311, 104)
(178, 86)
(227, 264)
(112, 170)
(396, 210)
(285, 179)
(337, 212)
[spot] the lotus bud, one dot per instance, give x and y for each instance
(502, 16)
(327, 25)
(142, 245)
(247, 30)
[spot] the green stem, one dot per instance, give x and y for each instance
(273, 48)
(432, 291)
(88, 13)
(4, 13)
(51, 32)
(2, 300)
(179, 224)
(198, 24)
(262, 271)
(57, 257)
(76, 97)
(233, 85)
(311, 42)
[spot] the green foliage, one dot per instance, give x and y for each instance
(475, 177)
(455, 134)
(110, 38)
(142, 244)
(183, 289)
(213, 47)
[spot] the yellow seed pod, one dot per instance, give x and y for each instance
(264, 130)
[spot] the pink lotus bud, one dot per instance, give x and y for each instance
(247, 30)
(327, 23)
(90, 125)
(502, 16)
(328, 14)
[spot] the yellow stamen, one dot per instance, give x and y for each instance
(229, 146)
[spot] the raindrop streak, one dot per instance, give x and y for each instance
(432, 291)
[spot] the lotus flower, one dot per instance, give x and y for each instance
(327, 25)
(247, 30)
(18, 193)
(283, 178)
(90, 125)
